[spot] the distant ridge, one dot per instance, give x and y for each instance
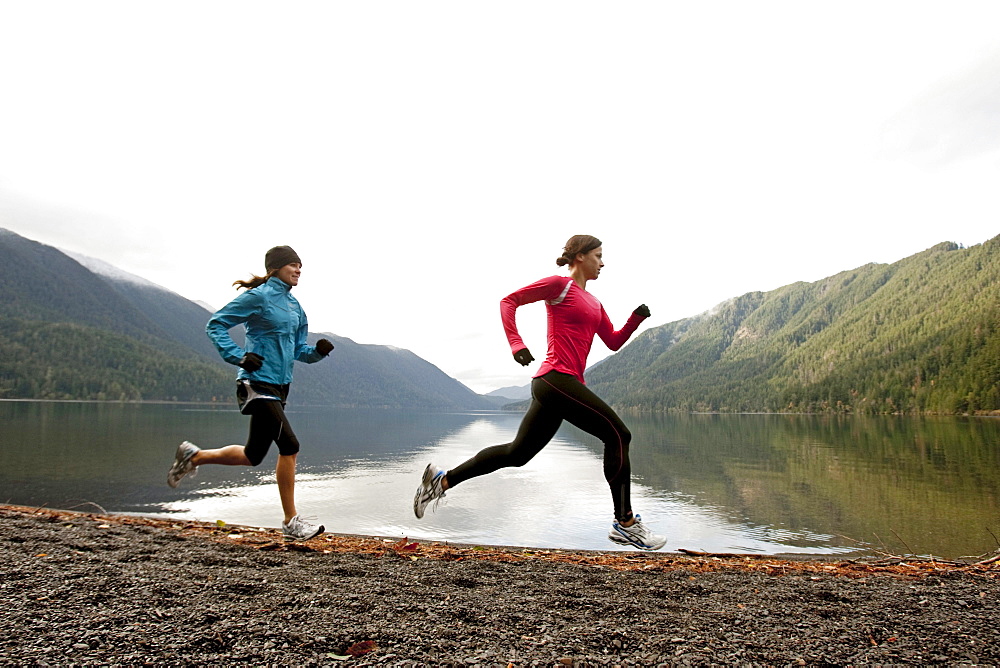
(512, 393)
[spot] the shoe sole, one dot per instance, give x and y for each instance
(174, 478)
(178, 463)
(418, 507)
(320, 530)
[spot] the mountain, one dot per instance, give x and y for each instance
(79, 328)
(368, 375)
(512, 393)
(68, 334)
(176, 316)
(921, 335)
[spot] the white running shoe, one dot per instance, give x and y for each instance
(298, 529)
(429, 490)
(637, 535)
(182, 463)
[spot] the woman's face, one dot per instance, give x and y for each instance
(290, 273)
(590, 263)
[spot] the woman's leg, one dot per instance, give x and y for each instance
(579, 406)
(230, 455)
(269, 424)
(537, 428)
(284, 471)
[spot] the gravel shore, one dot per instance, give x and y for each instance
(83, 589)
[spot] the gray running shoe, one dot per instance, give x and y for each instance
(429, 490)
(298, 529)
(182, 463)
(637, 535)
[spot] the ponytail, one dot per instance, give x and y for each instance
(254, 281)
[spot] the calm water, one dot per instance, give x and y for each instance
(748, 483)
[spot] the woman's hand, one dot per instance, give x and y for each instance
(251, 362)
(642, 311)
(324, 347)
(523, 357)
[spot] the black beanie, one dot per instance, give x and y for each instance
(279, 256)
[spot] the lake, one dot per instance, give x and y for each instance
(765, 484)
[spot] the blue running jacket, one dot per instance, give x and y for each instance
(276, 330)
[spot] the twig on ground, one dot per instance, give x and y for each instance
(992, 560)
(89, 503)
(908, 548)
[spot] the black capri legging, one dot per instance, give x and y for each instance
(268, 423)
(556, 397)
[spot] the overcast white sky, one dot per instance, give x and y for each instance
(427, 158)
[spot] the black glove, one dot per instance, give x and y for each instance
(324, 347)
(642, 311)
(251, 362)
(523, 357)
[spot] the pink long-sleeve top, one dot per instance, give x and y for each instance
(574, 317)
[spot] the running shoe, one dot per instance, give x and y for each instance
(429, 490)
(637, 535)
(299, 529)
(182, 463)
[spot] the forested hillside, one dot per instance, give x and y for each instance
(76, 332)
(921, 335)
(68, 334)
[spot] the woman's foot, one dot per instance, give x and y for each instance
(636, 534)
(431, 489)
(298, 529)
(182, 463)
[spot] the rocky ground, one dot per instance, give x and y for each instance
(80, 589)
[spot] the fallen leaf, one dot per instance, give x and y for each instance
(404, 545)
(360, 648)
(220, 523)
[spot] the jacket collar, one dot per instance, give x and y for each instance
(276, 282)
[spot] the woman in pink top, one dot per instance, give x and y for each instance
(558, 390)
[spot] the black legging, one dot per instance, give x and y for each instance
(265, 404)
(268, 424)
(557, 397)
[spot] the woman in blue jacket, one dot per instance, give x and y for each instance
(276, 330)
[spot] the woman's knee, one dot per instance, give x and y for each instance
(617, 438)
(519, 459)
(513, 455)
(254, 456)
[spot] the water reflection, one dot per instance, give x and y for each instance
(925, 485)
(750, 483)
